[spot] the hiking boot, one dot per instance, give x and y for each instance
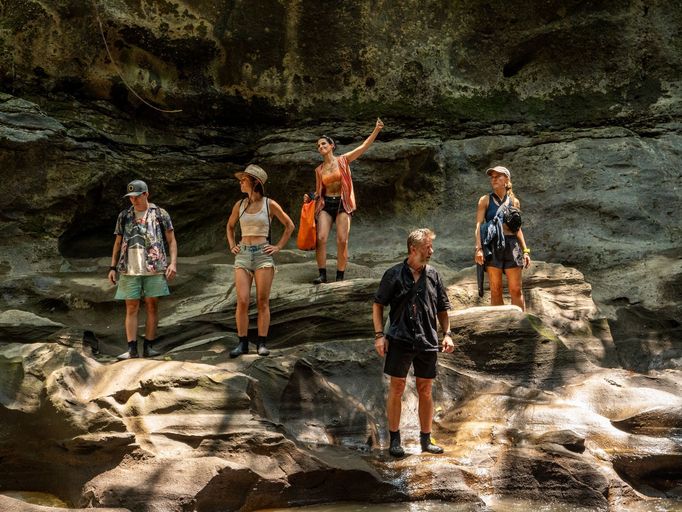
(427, 444)
(148, 351)
(322, 278)
(262, 350)
(394, 448)
(396, 451)
(242, 348)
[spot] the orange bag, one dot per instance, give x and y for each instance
(307, 234)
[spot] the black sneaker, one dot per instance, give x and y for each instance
(242, 348)
(320, 279)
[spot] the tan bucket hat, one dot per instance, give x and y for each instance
(255, 172)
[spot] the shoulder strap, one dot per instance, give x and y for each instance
(267, 208)
(238, 224)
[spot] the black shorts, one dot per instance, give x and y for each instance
(511, 257)
(400, 357)
(333, 206)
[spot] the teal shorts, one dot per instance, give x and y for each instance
(136, 287)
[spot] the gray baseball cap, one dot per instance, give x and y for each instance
(136, 188)
(500, 169)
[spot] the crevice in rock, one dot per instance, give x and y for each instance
(652, 475)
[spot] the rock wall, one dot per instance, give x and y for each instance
(558, 62)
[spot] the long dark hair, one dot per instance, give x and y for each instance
(256, 185)
(328, 139)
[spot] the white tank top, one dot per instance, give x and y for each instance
(254, 224)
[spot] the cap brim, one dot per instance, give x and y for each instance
(133, 194)
(492, 169)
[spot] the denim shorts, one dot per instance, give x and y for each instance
(252, 258)
(512, 256)
(136, 287)
(400, 357)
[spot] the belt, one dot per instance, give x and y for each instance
(251, 248)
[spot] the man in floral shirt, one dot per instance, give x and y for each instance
(145, 266)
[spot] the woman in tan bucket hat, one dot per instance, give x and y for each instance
(253, 254)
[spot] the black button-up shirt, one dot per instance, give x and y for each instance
(416, 322)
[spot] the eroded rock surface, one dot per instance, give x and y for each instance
(529, 406)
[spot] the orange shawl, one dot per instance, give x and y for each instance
(347, 192)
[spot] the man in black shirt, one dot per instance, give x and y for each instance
(417, 297)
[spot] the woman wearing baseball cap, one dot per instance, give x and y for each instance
(253, 254)
(515, 255)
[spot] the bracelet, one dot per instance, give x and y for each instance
(526, 250)
(449, 333)
(112, 268)
(378, 334)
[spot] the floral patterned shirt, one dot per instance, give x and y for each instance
(145, 234)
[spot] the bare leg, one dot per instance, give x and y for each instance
(495, 279)
(264, 278)
(394, 402)
(243, 280)
(515, 285)
(425, 403)
(323, 226)
(342, 234)
(426, 416)
(152, 322)
(132, 308)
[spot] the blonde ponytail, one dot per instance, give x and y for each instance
(508, 188)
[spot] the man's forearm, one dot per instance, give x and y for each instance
(378, 317)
